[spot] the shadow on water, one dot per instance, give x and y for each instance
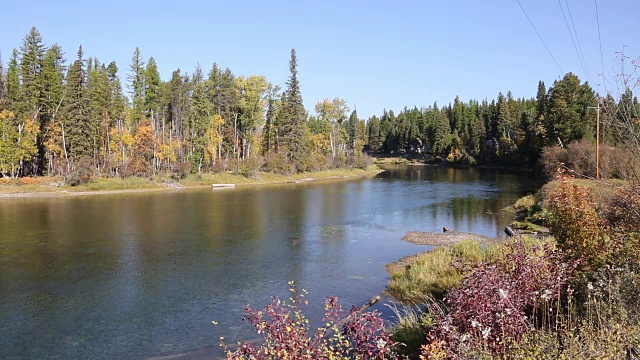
(143, 275)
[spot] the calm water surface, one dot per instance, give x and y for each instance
(143, 275)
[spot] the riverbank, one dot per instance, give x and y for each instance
(48, 187)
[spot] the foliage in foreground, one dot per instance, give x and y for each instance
(579, 301)
(287, 333)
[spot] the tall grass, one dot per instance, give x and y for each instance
(435, 272)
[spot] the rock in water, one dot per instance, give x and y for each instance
(509, 231)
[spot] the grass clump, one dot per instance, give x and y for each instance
(435, 272)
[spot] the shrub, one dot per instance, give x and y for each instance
(279, 163)
(498, 302)
(181, 170)
(287, 336)
(251, 166)
(319, 161)
(575, 223)
(81, 173)
(580, 157)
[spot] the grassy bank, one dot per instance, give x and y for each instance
(431, 274)
(54, 186)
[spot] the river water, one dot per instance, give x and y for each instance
(144, 275)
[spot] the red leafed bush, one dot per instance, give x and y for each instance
(499, 302)
(287, 335)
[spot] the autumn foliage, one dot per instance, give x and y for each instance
(288, 336)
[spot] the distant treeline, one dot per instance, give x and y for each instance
(58, 119)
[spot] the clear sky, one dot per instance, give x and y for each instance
(374, 54)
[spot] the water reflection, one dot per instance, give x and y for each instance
(142, 275)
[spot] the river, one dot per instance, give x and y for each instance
(144, 275)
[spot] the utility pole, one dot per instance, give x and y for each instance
(597, 138)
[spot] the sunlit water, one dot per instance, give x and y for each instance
(144, 275)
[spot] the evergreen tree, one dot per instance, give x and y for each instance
(137, 86)
(31, 61)
(118, 102)
(353, 130)
(77, 125)
(14, 88)
(373, 131)
(294, 127)
(269, 132)
(441, 133)
(568, 116)
(200, 113)
(152, 91)
(3, 88)
(99, 100)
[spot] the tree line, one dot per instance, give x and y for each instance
(58, 118)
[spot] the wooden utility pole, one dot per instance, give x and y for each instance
(597, 138)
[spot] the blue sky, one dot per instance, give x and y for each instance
(374, 54)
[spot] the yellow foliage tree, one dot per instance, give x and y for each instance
(17, 143)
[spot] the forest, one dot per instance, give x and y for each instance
(85, 118)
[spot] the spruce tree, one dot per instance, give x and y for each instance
(373, 132)
(3, 89)
(117, 104)
(152, 91)
(99, 93)
(294, 127)
(136, 86)
(31, 61)
(352, 130)
(14, 88)
(77, 125)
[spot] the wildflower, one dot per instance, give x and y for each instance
(590, 286)
(485, 333)
(503, 293)
(546, 295)
(474, 323)
(381, 343)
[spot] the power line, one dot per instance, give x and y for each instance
(572, 40)
(578, 40)
(600, 41)
(545, 44)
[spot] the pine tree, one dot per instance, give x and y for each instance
(99, 92)
(352, 130)
(568, 116)
(136, 86)
(200, 117)
(31, 61)
(14, 88)
(152, 91)
(294, 127)
(3, 89)
(269, 132)
(77, 125)
(373, 132)
(441, 133)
